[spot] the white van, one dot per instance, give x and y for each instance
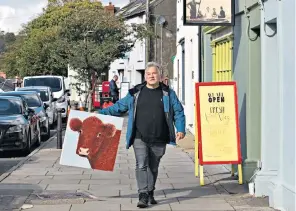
(57, 85)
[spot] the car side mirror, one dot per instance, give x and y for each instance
(31, 111)
(45, 106)
(54, 99)
(68, 94)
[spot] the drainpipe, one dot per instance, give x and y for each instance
(148, 24)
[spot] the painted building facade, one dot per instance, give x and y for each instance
(276, 178)
(259, 54)
(162, 45)
(186, 66)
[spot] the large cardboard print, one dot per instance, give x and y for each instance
(208, 12)
(91, 141)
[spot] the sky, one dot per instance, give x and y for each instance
(14, 13)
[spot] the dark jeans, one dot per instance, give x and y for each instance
(147, 162)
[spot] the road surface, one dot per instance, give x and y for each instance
(10, 159)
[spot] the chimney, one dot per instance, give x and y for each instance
(110, 8)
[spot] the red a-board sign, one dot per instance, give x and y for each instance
(217, 122)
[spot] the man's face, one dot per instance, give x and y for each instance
(152, 76)
(115, 78)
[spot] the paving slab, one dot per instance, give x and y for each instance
(22, 181)
(195, 193)
(166, 186)
(179, 180)
(101, 181)
(50, 208)
(55, 173)
(134, 193)
(67, 187)
(106, 192)
(91, 206)
(71, 176)
(110, 187)
(115, 175)
(160, 200)
(202, 206)
(30, 172)
(60, 181)
(132, 207)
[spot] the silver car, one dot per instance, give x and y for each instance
(47, 98)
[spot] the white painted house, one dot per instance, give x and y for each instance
(131, 68)
(186, 66)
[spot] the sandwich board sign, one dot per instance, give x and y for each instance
(217, 125)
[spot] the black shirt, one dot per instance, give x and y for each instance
(151, 125)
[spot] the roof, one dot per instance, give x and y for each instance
(136, 7)
(18, 93)
(44, 76)
(33, 87)
(10, 97)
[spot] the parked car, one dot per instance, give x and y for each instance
(47, 98)
(19, 125)
(57, 85)
(33, 101)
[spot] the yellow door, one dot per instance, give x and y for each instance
(222, 60)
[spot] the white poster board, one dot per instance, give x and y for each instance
(124, 87)
(91, 141)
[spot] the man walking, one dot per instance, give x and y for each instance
(114, 91)
(154, 110)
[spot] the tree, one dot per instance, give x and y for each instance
(75, 32)
(95, 39)
(7, 48)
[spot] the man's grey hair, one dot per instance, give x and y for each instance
(153, 64)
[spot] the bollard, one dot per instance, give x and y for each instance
(59, 129)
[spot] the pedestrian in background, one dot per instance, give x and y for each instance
(154, 110)
(114, 91)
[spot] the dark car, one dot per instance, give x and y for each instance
(33, 100)
(19, 125)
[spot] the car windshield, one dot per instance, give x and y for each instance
(54, 83)
(44, 96)
(42, 93)
(32, 100)
(10, 107)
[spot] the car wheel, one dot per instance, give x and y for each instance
(54, 122)
(28, 148)
(38, 141)
(47, 136)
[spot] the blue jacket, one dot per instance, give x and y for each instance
(173, 109)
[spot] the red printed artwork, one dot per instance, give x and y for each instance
(98, 142)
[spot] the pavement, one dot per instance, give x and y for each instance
(42, 184)
(12, 158)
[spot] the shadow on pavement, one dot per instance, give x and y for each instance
(14, 195)
(183, 194)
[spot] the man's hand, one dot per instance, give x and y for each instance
(179, 136)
